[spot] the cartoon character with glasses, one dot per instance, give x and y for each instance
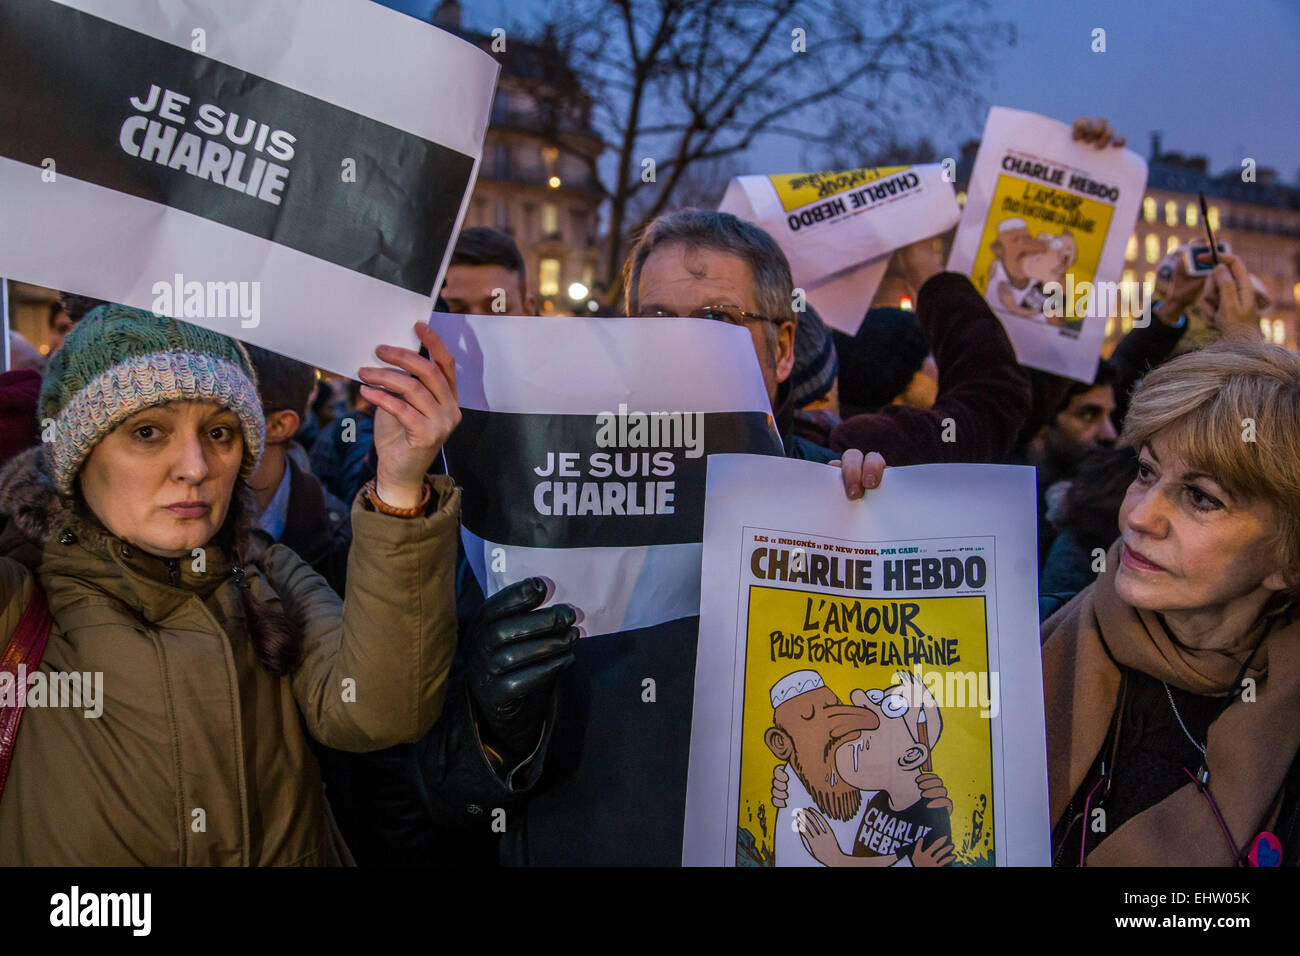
(907, 815)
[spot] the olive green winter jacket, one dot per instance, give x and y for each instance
(199, 756)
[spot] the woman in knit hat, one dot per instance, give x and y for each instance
(198, 660)
(1172, 683)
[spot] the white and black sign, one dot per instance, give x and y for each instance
(583, 448)
(193, 168)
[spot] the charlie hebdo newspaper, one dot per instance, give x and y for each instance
(839, 228)
(1042, 236)
(857, 658)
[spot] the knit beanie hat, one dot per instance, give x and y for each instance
(877, 363)
(815, 364)
(119, 361)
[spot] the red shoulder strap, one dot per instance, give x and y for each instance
(25, 647)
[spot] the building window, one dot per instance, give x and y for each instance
(1171, 213)
(578, 217)
(503, 215)
(1214, 218)
(501, 161)
(1152, 247)
(1192, 216)
(1150, 280)
(530, 222)
(1129, 277)
(548, 277)
(550, 220)
(1279, 332)
(1171, 244)
(1131, 252)
(1149, 209)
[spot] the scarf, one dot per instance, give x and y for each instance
(1249, 748)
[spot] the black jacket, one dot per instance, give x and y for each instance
(1141, 350)
(318, 527)
(606, 784)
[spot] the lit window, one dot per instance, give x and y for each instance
(1192, 216)
(1126, 323)
(1171, 213)
(1131, 252)
(1171, 244)
(1130, 276)
(1153, 248)
(1110, 326)
(1214, 218)
(1295, 292)
(1279, 332)
(1265, 329)
(1149, 280)
(961, 199)
(550, 220)
(1149, 209)
(548, 277)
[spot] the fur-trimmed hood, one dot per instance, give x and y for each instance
(36, 519)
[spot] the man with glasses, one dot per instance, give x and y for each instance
(712, 265)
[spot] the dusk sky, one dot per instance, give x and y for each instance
(1219, 79)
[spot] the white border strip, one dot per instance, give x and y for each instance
(585, 366)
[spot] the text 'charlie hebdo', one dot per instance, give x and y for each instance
(621, 482)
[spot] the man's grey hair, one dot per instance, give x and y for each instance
(722, 232)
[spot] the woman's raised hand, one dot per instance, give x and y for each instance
(416, 409)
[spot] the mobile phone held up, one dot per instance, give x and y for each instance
(1198, 260)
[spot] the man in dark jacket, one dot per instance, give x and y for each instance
(342, 456)
(605, 778)
(612, 788)
(293, 507)
(983, 397)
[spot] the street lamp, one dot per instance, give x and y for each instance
(577, 291)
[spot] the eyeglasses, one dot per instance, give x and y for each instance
(732, 315)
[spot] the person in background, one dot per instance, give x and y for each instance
(1081, 422)
(1084, 514)
(24, 355)
(886, 362)
(20, 427)
(982, 397)
(486, 276)
(814, 380)
(293, 507)
(342, 455)
(60, 324)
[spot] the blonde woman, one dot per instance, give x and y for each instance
(1172, 683)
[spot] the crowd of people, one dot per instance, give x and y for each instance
(299, 667)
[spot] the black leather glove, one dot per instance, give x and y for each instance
(514, 654)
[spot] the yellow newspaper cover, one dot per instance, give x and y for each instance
(858, 712)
